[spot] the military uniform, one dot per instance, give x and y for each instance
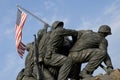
(53, 56)
(90, 47)
(49, 72)
(29, 61)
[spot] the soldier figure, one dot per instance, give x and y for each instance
(91, 47)
(49, 72)
(29, 72)
(53, 56)
(29, 63)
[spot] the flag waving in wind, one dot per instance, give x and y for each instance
(21, 18)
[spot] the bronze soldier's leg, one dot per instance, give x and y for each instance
(77, 58)
(53, 71)
(74, 73)
(44, 74)
(94, 59)
(61, 61)
(47, 75)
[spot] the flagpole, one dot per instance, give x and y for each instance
(39, 19)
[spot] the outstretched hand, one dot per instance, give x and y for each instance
(109, 71)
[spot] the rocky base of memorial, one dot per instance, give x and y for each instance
(115, 75)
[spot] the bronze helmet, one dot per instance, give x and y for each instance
(105, 29)
(56, 24)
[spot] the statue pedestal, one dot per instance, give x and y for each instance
(115, 75)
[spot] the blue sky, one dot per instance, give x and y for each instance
(76, 14)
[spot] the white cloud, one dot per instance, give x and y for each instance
(9, 31)
(49, 4)
(113, 7)
(115, 24)
(6, 21)
(85, 23)
(57, 18)
(65, 20)
(110, 10)
(110, 16)
(114, 15)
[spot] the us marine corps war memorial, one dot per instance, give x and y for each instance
(53, 55)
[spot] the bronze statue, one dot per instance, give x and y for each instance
(91, 47)
(59, 58)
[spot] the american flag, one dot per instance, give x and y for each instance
(21, 18)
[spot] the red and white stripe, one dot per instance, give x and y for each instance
(18, 30)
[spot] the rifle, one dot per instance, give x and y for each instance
(39, 71)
